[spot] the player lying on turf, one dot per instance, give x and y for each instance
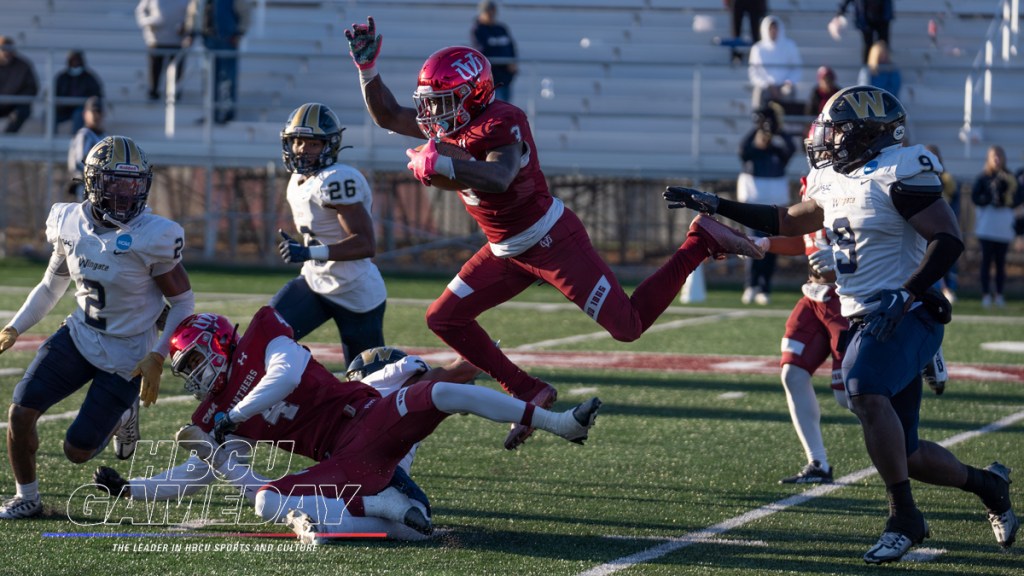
(265, 386)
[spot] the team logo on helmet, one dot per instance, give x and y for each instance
(372, 360)
(469, 66)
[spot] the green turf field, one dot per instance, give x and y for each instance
(679, 475)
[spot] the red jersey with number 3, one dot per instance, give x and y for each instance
(527, 199)
(312, 416)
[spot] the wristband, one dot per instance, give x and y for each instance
(320, 252)
(443, 166)
(367, 75)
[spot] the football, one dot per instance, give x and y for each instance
(452, 151)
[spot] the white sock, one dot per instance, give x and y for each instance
(559, 423)
(478, 400)
(805, 412)
(29, 491)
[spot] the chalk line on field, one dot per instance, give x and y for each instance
(72, 413)
(698, 536)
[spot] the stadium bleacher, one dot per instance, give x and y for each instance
(620, 77)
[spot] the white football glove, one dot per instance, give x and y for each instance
(822, 261)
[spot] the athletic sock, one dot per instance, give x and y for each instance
(28, 491)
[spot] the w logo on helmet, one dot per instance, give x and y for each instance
(469, 66)
(867, 103)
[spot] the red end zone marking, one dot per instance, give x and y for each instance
(642, 361)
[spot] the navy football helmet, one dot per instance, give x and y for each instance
(311, 120)
(855, 125)
(372, 360)
(117, 178)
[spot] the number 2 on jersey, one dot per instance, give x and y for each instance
(95, 302)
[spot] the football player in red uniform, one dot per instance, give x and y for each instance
(266, 386)
(531, 235)
(815, 330)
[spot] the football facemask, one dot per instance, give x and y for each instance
(117, 178)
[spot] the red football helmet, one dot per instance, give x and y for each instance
(201, 350)
(454, 86)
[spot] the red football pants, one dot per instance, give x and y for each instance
(565, 259)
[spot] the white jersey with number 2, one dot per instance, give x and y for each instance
(114, 325)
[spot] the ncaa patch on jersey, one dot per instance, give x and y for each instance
(123, 242)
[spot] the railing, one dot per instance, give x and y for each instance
(1005, 28)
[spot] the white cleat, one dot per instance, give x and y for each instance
(391, 504)
(583, 418)
(306, 529)
(20, 507)
(127, 434)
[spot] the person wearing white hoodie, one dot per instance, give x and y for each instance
(775, 65)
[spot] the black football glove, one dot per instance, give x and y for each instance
(882, 321)
(108, 479)
(291, 251)
(681, 197)
(222, 426)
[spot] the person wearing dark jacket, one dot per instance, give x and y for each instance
(17, 78)
(872, 18)
(494, 41)
(75, 81)
(764, 152)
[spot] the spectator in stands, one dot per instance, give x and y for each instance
(494, 41)
(82, 142)
(221, 24)
(764, 152)
(754, 11)
(879, 71)
(951, 193)
(994, 196)
(872, 18)
(75, 81)
(163, 27)
(17, 78)
(824, 90)
(774, 66)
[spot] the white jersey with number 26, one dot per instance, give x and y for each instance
(875, 248)
(114, 325)
(355, 284)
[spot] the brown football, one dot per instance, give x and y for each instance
(453, 151)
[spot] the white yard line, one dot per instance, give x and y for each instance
(72, 413)
(602, 335)
(698, 536)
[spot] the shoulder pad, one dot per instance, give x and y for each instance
(921, 184)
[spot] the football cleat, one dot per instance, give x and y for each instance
(583, 416)
(306, 529)
(127, 434)
(520, 432)
(935, 374)
(893, 544)
(1006, 523)
(722, 239)
(813, 473)
(393, 505)
(20, 507)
